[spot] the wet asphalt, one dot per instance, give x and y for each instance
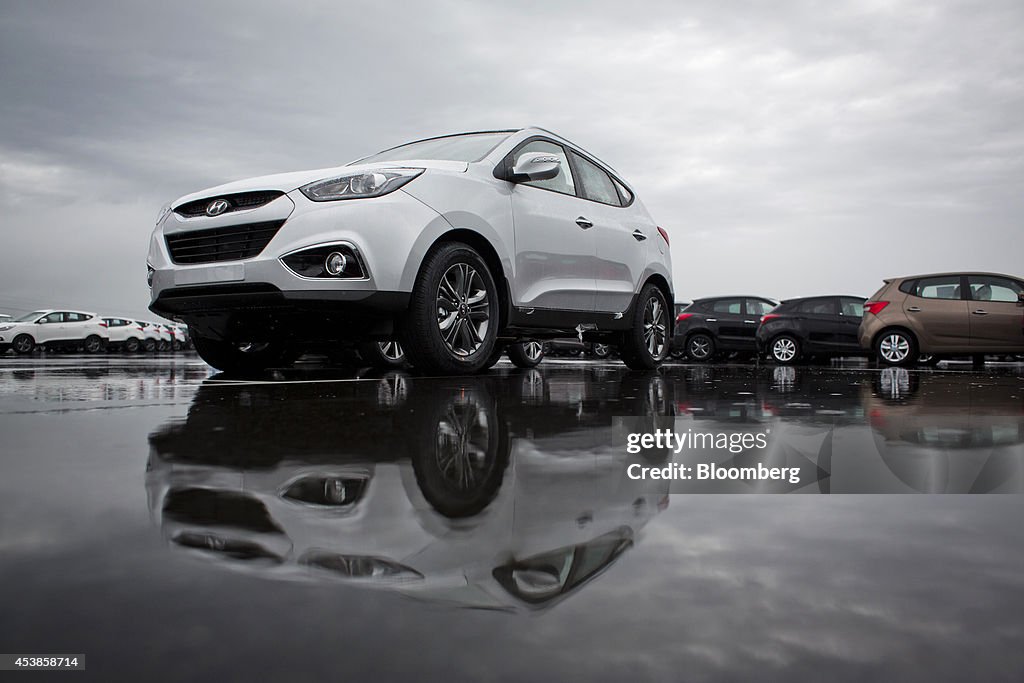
(172, 523)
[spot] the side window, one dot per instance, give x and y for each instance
(624, 194)
(852, 307)
(988, 288)
(818, 307)
(945, 287)
(563, 182)
(758, 307)
(727, 306)
(596, 184)
(74, 317)
(54, 318)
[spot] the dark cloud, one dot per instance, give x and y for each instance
(789, 148)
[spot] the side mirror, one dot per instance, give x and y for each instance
(1020, 298)
(535, 166)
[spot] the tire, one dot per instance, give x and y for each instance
(896, 347)
(700, 347)
(149, 345)
(384, 355)
(600, 350)
(527, 354)
(785, 349)
(92, 344)
(23, 344)
(132, 345)
(646, 344)
(233, 358)
(455, 280)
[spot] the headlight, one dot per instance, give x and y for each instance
(4, 328)
(164, 210)
(360, 185)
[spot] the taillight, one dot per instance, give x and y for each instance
(102, 324)
(875, 307)
(683, 316)
(663, 233)
(768, 316)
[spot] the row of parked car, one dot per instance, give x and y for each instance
(82, 331)
(910, 320)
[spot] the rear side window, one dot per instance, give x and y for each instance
(727, 306)
(852, 307)
(563, 182)
(596, 185)
(624, 193)
(76, 317)
(989, 288)
(818, 307)
(758, 307)
(945, 287)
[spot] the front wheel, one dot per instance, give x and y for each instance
(240, 357)
(896, 347)
(645, 345)
(526, 354)
(785, 350)
(384, 355)
(600, 350)
(451, 326)
(23, 344)
(700, 347)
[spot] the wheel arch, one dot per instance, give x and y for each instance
(489, 254)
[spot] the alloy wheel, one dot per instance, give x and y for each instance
(533, 350)
(894, 348)
(700, 347)
(463, 309)
(784, 349)
(392, 350)
(655, 328)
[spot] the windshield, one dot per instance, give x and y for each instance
(469, 147)
(30, 317)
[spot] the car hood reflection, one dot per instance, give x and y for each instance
(491, 492)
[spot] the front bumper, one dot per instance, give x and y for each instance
(382, 230)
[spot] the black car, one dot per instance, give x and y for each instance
(812, 326)
(719, 325)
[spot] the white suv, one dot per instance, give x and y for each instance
(457, 246)
(52, 328)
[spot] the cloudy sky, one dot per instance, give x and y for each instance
(790, 148)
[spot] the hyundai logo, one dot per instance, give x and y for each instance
(217, 207)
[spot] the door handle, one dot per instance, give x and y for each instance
(913, 309)
(584, 223)
(750, 322)
(980, 311)
(640, 237)
(712, 320)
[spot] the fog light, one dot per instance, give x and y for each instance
(335, 263)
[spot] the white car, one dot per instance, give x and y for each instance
(180, 336)
(124, 333)
(52, 328)
(456, 246)
(150, 335)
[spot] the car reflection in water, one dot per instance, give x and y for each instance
(861, 431)
(497, 492)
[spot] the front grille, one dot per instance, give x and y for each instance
(230, 243)
(236, 202)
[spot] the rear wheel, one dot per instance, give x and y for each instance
(645, 345)
(785, 350)
(131, 345)
(700, 347)
(241, 357)
(896, 347)
(149, 345)
(385, 354)
(527, 354)
(92, 344)
(451, 326)
(600, 350)
(23, 344)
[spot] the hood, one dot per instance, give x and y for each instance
(286, 182)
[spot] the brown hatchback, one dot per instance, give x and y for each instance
(945, 314)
